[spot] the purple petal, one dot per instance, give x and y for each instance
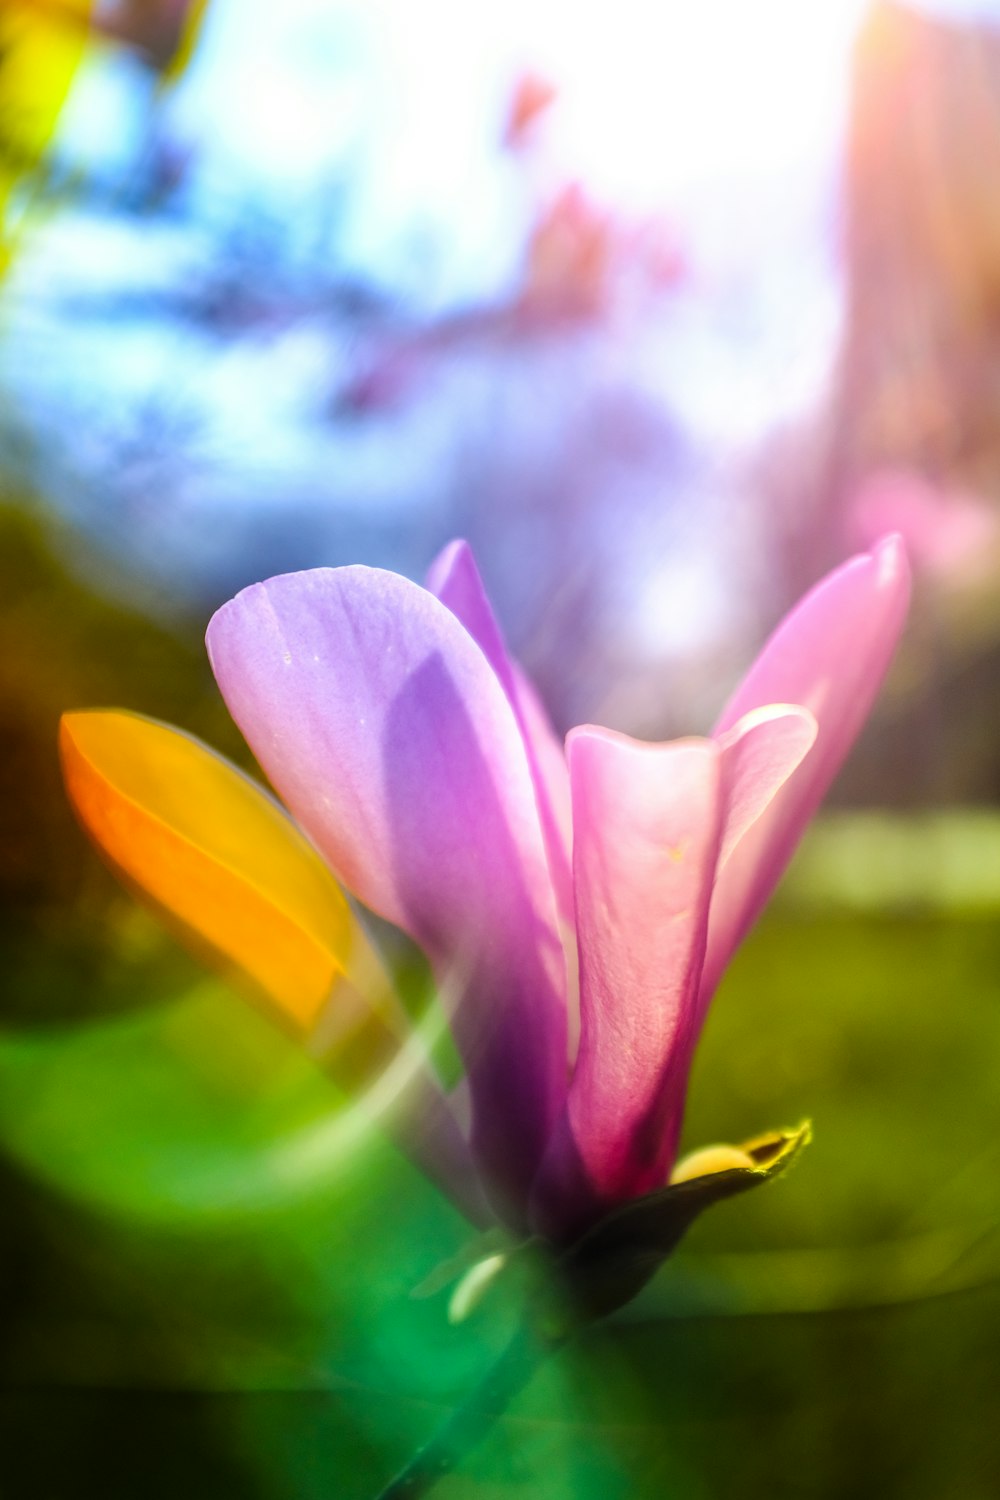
(387, 734)
(647, 822)
(829, 655)
(455, 579)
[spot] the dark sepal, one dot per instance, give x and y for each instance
(612, 1262)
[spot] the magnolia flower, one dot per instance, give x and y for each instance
(578, 909)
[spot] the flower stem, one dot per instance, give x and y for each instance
(470, 1422)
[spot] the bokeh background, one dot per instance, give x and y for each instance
(668, 307)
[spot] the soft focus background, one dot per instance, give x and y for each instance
(668, 307)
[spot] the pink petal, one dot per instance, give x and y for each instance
(829, 655)
(653, 824)
(647, 822)
(760, 753)
(387, 734)
(455, 579)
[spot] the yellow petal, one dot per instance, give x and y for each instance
(764, 1157)
(215, 851)
(709, 1159)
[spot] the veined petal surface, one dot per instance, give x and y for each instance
(385, 730)
(829, 656)
(760, 752)
(455, 579)
(758, 755)
(647, 822)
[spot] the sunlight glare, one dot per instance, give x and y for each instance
(655, 97)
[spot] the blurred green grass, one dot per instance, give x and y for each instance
(206, 1272)
(834, 1334)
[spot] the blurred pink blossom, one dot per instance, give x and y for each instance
(949, 533)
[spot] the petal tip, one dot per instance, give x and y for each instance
(455, 556)
(77, 726)
(241, 598)
(890, 553)
(598, 734)
(457, 548)
(72, 719)
(789, 713)
(890, 564)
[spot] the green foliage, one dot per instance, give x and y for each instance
(203, 1226)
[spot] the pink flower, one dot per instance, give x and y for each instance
(579, 909)
(950, 534)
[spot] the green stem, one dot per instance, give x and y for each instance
(465, 1429)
